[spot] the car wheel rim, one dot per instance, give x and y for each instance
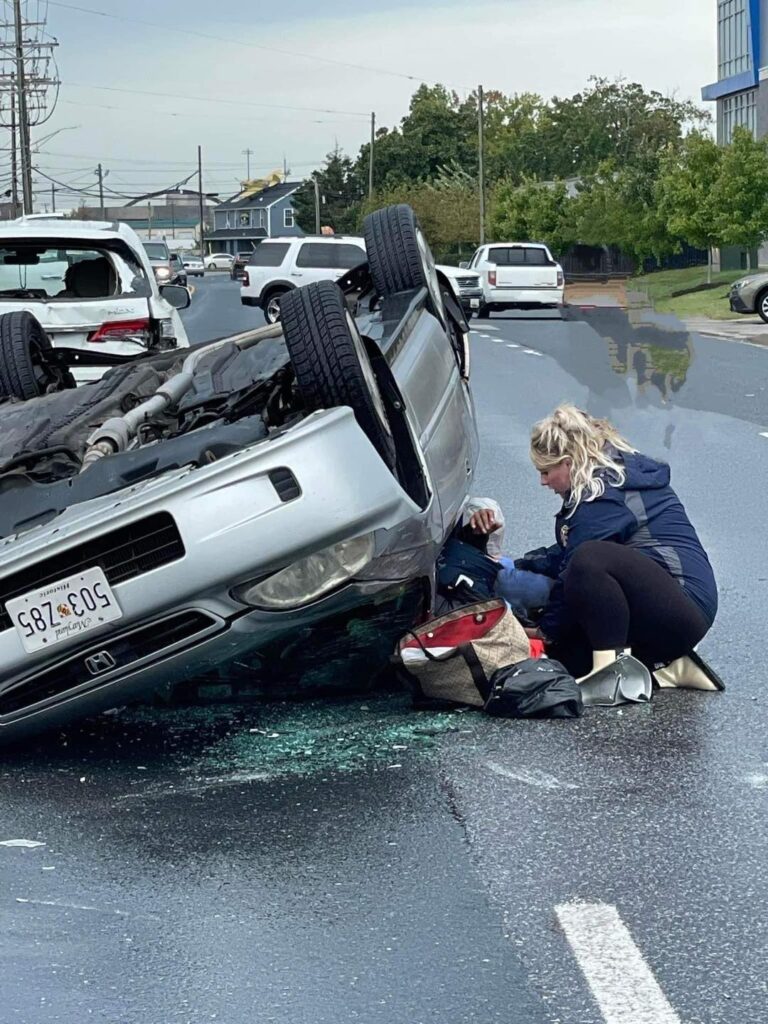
(370, 377)
(764, 305)
(428, 265)
(273, 310)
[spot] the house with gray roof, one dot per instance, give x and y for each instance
(240, 223)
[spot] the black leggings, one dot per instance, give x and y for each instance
(618, 597)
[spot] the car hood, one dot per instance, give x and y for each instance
(456, 272)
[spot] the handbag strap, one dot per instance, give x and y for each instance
(479, 678)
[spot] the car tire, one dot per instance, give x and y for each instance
(399, 257)
(272, 304)
(331, 363)
(483, 312)
(761, 306)
(26, 369)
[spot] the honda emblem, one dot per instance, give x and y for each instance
(99, 663)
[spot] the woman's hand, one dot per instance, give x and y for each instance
(484, 521)
(534, 633)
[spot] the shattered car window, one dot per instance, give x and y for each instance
(61, 271)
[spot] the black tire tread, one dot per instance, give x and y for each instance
(394, 258)
(325, 359)
(18, 331)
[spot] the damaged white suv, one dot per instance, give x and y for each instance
(235, 508)
(91, 287)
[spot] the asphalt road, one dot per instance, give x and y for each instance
(355, 862)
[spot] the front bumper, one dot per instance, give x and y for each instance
(471, 299)
(339, 641)
(737, 303)
(248, 300)
(235, 528)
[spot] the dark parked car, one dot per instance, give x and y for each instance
(240, 263)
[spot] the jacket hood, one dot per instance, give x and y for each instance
(644, 473)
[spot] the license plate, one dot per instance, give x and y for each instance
(474, 303)
(63, 610)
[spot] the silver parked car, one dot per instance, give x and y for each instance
(231, 507)
(750, 295)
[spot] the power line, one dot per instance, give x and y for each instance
(369, 69)
(196, 117)
(209, 99)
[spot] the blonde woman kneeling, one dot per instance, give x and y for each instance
(631, 571)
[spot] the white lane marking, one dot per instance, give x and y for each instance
(531, 352)
(531, 777)
(489, 328)
(757, 780)
(511, 344)
(24, 844)
(496, 341)
(621, 981)
(764, 433)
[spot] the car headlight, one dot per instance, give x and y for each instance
(162, 272)
(738, 285)
(311, 577)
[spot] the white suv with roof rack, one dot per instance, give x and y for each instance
(278, 265)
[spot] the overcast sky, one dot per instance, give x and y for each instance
(545, 46)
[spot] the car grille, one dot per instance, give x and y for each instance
(468, 282)
(123, 554)
(123, 651)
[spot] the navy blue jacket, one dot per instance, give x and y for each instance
(646, 514)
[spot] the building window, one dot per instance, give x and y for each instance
(737, 110)
(258, 218)
(244, 219)
(288, 217)
(732, 38)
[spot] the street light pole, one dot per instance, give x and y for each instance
(370, 161)
(317, 206)
(200, 195)
(481, 160)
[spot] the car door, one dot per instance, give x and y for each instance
(325, 260)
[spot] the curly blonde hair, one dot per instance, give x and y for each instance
(592, 446)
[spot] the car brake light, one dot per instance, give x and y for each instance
(120, 327)
(246, 280)
(560, 279)
(492, 278)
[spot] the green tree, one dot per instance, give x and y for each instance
(686, 193)
(619, 207)
(533, 210)
(740, 194)
(618, 121)
(341, 193)
(438, 129)
(449, 213)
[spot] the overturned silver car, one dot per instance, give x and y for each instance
(219, 508)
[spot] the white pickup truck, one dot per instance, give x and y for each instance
(517, 275)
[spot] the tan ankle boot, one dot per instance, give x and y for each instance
(689, 673)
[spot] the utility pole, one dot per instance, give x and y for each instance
(370, 161)
(100, 175)
(14, 167)
(21, 82)
(317, 206)
(53, 198)
(247, 153)
(285, 169)
(149, 219)
(200, 193)
(481, 160)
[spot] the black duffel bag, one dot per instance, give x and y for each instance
(534, 688)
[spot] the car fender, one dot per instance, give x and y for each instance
(273, 283)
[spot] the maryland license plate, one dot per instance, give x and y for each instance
(63, 610)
